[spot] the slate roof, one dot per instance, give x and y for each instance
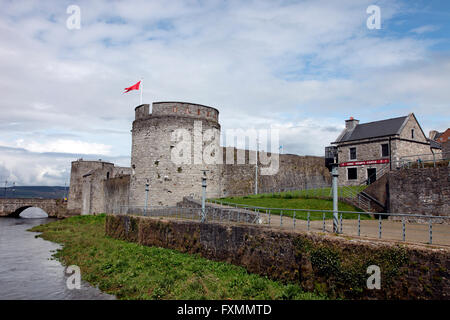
(374, 129)
(434, 144)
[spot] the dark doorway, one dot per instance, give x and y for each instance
(371, 175)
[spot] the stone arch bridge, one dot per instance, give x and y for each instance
(12, 207)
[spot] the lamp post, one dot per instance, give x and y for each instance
(335, 174)
(256, 166)
(203, 196)
(146, 197)
(332, 163)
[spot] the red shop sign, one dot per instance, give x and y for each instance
(362, 163)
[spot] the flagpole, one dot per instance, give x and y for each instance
(142, 87)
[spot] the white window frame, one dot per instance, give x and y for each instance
(382, 150)
(350, 153)
(356, 174)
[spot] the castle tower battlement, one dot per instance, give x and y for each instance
(177, 109)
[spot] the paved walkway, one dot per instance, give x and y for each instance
(390, 230)
(415, 232)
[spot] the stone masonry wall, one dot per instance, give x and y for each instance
(369, 150)
(293, 172)
(410, 150)
(216, 212)
(13, 207)
(152, 159)
(116, 193)
(93, 184)
(420, 190)
(191, 110)
(79, 169)
(332, 265)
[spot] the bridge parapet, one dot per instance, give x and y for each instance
(14, 206)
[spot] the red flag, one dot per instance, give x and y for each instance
(133, 87)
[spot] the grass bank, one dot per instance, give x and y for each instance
(295, 202)
(131, 271)
(324, 192)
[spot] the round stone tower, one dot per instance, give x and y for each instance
(170, 148)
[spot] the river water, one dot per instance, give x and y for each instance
(27, 270)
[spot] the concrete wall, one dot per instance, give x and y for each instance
(327, 264)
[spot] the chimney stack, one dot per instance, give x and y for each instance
(433, 134)
(351, 123)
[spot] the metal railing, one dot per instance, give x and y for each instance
(415, 228)
(213, 214)
(418, 228)
(305, 186)
(420, 160)
(345, 193)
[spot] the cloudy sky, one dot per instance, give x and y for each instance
(300, 66)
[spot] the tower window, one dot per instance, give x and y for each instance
(412, 133)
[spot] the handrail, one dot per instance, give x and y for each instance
(331, 211)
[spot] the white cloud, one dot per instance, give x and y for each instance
(424, 29)
(260, 62)
(49, 169)
(60, 146)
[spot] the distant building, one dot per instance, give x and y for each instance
(366, 151)
(443, 139)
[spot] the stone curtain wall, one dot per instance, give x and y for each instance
(117, 192)
(422, 191)
(294, 172)
(325, 264)
(78, 170)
